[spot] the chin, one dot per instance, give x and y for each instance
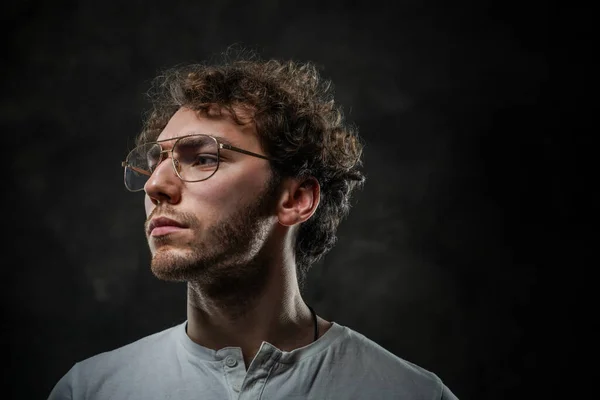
(171, 264)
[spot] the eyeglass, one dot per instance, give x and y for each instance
(194, 157)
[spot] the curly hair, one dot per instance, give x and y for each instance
(300, 127)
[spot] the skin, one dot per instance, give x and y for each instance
(236, 248)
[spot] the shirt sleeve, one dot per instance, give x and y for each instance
(63, 390)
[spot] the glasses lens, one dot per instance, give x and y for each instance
(197, 157)
(140, 163)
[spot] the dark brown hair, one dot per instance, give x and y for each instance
(300, 126)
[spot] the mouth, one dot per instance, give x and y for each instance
(161, 226)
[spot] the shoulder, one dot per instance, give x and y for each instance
(376, 356)
(145, 349)
(127, 361)
(149, 349)
(374, 363)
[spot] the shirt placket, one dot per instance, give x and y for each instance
(258, 373)
(233, 367)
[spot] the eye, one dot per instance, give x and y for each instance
(153, 157)
(197, 152)
(205, 160)
(152, 163)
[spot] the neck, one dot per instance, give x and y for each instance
(274, 313)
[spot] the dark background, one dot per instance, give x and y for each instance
(466, 252)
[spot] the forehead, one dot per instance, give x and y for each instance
(186, 121)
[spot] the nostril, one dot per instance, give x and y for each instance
(161, 199)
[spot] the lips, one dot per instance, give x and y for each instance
(161, 226)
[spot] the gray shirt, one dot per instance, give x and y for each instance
(341, 364)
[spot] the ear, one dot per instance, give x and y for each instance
(298, 201)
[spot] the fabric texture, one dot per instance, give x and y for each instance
(341, 364)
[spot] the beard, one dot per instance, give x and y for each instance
(227, 261)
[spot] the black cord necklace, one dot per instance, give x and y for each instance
(314, 315)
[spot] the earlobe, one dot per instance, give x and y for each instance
(299, 201)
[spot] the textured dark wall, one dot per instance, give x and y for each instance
(448, 256)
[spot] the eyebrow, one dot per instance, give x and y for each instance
(224, 140)
(221, 139)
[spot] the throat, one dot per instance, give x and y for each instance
(247, 329)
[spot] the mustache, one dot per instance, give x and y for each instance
(167, 211)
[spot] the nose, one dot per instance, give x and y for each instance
(164, 185)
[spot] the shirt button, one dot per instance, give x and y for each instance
(236, 388)
(230, 361)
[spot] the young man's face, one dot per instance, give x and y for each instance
(223, 221)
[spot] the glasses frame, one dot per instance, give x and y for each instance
(220, 146)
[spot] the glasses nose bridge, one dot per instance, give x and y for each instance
(163, 155)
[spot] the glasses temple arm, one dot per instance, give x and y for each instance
(233, 148)
(138, 170)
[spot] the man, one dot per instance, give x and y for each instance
(248, 167)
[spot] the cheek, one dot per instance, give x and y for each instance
(211, 195)
(232, 191)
